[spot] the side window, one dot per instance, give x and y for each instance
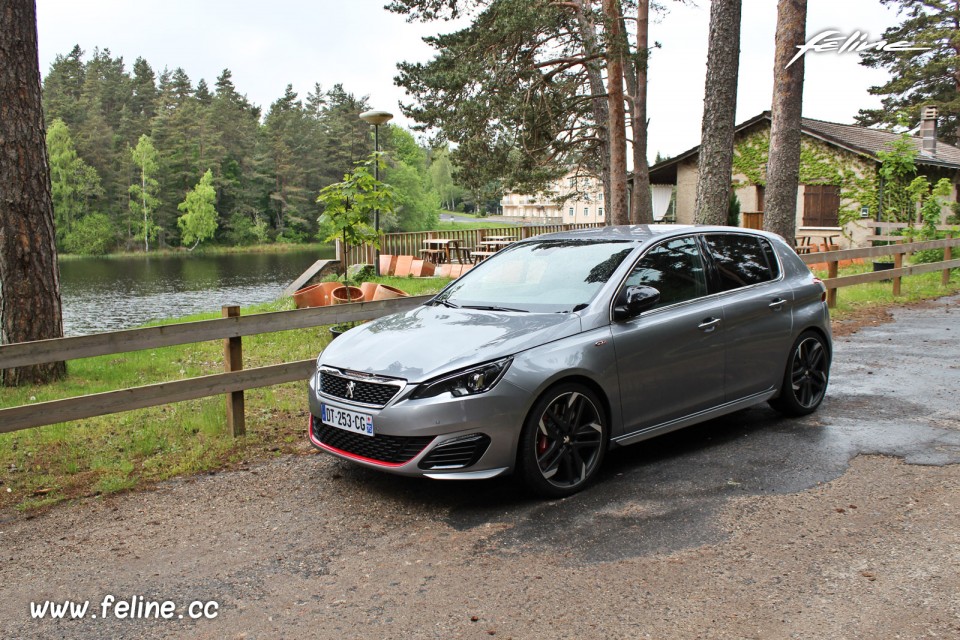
(742, 260)
(675, 268)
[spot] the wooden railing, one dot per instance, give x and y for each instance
(887, 229)
(234, 380)
(411, 242)
(833, 258)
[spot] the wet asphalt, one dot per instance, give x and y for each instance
(893, 391)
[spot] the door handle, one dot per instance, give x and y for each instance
(708, 325)
(777, 304)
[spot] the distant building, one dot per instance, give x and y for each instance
(585, 205)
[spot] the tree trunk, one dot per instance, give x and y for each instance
(783, 163)
(641, 205)
(617, 118)
(29, 275)
(715, 164)
(599, 102)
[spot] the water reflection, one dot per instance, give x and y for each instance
(111, 294)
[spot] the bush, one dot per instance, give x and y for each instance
(92, 235)
(733, 211)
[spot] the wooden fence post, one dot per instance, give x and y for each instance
(832, 271)
(897, 264)
(947, 256)
(233, 361)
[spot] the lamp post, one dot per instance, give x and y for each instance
(376, 118)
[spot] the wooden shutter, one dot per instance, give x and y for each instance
(821, 205)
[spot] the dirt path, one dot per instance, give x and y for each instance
(841, 525)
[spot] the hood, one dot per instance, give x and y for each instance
(425, 342)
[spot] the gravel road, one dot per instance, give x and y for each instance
(839, 525)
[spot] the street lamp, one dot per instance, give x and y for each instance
(376, 118)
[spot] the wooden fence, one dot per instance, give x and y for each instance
(230, 329)
(410, 243)
(833, 258)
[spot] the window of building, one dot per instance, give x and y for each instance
(599, 212)
(586, 212)
(571, 212)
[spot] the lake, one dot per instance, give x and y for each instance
(120, 293)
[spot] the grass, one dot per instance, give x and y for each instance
(854, 300)
(41, 467)
(103, 455)
(212, 250)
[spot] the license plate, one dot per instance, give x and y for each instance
(346, 420)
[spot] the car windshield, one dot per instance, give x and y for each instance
(551, 276)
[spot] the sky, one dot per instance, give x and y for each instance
(268, 45)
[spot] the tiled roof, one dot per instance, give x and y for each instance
(852, 137)
(871, 141)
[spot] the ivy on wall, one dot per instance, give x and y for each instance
(819, 164)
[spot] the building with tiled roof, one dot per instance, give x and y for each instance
(842, 146)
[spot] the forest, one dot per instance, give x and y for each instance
(142, 160)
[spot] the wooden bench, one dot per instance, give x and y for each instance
(437, 256)
(480, 256)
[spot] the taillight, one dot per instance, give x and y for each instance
(823, 287)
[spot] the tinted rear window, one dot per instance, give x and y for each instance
(742, 260)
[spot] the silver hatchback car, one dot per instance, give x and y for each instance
(559, 347)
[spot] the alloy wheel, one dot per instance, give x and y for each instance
(569, 440)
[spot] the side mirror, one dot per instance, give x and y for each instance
(633, 301)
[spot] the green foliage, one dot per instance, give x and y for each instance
(918, 78)
(417, 203)
(92, 235)
(733, 211)
(524, 62)
(930, 202)
(75, 185)
(441, 179)
(143, 195)
(199, 221)
(267, 166)
(349, 206)
(818, 164)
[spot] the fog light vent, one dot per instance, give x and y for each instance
(457, 453)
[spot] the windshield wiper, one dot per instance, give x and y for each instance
(481, 307)
(446, 303)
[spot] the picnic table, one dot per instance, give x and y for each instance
(441, 250)
(488, 247)
(823, 240)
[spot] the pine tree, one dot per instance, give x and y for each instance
(63, 86)
(919, 78)
(719, 113)
(783, 165)
(29, 273)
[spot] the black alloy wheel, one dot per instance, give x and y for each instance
(563, 441)
(805, 380)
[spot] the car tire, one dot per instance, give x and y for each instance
(563, 441)
(806, 376)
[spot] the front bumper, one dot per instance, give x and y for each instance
(441, 437)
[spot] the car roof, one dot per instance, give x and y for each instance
(640, 233)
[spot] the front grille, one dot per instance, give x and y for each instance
(387, 449)
(376, 394)
(456, 454)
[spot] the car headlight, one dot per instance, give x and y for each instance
(468, 382)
